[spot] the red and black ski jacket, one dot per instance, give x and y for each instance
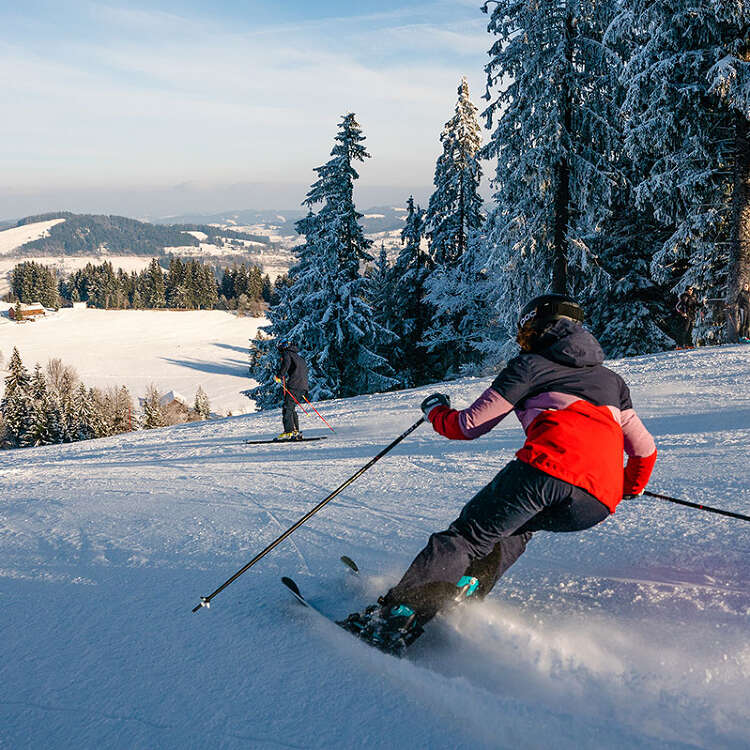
(576, 413)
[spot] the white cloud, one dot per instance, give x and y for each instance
(162, 97)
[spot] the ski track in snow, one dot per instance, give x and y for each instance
(632, 634)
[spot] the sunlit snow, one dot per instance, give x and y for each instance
(629, 635)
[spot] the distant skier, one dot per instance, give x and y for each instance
(292, 375)
(687, 307)
(568, 476)
(743, 311)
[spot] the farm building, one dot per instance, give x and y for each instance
(27, 312)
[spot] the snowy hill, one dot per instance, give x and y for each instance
(632, 634)
(16, 236)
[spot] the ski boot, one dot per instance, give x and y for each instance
(296, 435)
(284, 436)
(389, 629)
(465, 588)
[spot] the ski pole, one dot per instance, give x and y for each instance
(295, 400)
(698, 506)
(317, 412)
(206, 600)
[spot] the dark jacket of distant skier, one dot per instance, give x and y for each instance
(293, 369)
(688, 304)
(576, 413)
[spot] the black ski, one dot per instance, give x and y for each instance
(349, 564)
(297, 594)
(285, 442)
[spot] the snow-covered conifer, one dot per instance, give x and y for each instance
(409, 313)
(152, 412)
(78, 416)
(120, 410)
(324, 310)
(46, 423)
(730, 80)
(202, 406)
(155, 288)
(455, 208)
(553, 138)
(16, 404)
(453, 217)
(680, 122)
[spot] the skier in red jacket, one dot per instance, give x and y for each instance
(568, 476)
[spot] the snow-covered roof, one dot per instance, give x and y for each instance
(170, 396)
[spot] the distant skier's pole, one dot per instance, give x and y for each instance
(295, 400)
(206, 600)
(698, 506)
(317, 412)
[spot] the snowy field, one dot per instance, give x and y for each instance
(633, 634)
(175, 350)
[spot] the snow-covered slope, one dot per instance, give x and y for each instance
(632, 634)
(173, 349)
(14, 237)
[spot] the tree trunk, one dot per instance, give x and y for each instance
(561, 216)
(739, 258)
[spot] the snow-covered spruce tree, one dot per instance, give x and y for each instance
(730, 80)
(409, 316)
(553, 138)
(380, 289)
(117, 407)
(65, 393)
(83, 419)
(680, 137)
(153, 415)
(454, 214)
(154, 286)
(202, 406)
(41, 418)
(16, 404)
(325, 311)
(625, 308)
(379, 292)
(455, 208)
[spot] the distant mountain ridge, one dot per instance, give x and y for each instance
(90, 234)
(376, 219)
(93, 234)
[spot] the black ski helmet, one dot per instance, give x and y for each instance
(547, 308)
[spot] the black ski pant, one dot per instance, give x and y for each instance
(289, 410)
(686, 331)
(491, 533)
(744, 321)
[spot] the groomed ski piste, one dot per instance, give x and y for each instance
(633, 634)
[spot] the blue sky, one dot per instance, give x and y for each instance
(118, 107)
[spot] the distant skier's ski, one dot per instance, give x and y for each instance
(285, 442)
